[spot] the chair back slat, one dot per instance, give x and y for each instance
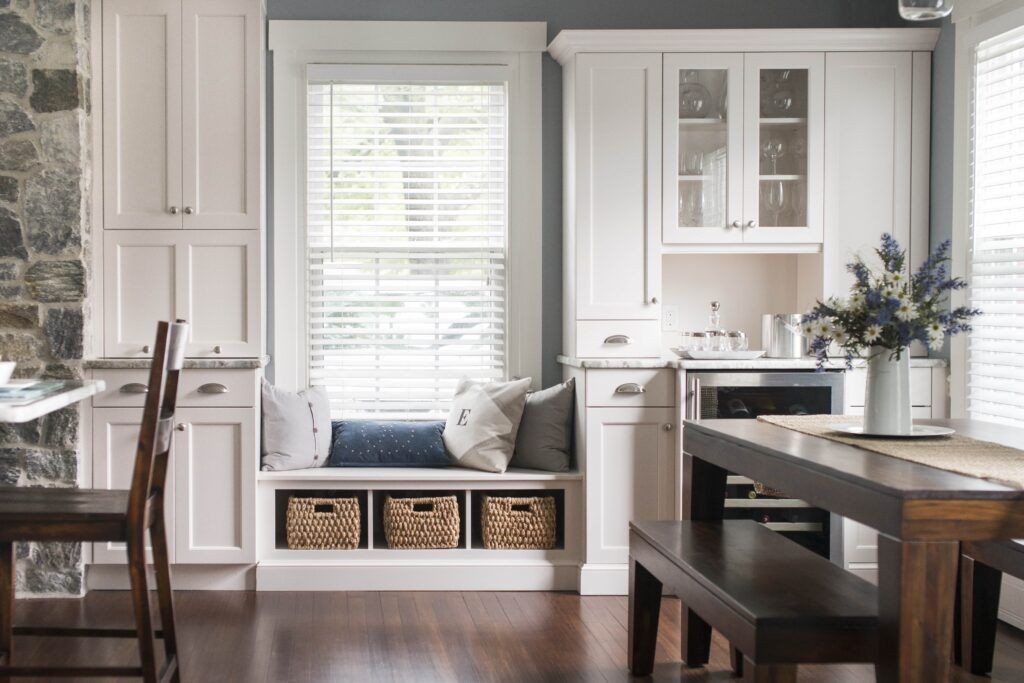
(156, 431)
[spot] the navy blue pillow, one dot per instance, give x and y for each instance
(377, 443)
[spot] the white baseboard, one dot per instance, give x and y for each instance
(230, 577)
(419, 576)
(604, 579)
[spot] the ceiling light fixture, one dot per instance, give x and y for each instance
(925, 10)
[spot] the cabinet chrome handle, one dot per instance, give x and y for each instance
(695, 399)
(212, 388)
(134, 388)
(618, 339)
(667, 426)
(216, 349)
(630, 388)
(189, 210)
(751, 225)
(145, 349)
(173, 210)
(180, 427)
(737, 224)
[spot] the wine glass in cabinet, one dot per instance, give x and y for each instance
(703, 133)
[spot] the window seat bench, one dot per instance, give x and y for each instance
(399, 474)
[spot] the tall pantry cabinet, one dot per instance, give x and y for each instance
(179, 168)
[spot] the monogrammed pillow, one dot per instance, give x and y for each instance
(481, 429)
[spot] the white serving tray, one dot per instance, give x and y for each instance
(717, 355)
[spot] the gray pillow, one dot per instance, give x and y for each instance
(296, 428)
(481, 429)
(545, 432)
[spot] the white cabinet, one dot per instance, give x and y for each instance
(630, 476)
(181, 114)
(115, 436)
(209, 278)
(215, 464)
(210, 497)
(613, 172)
(876, 138)
(141, 113)
(743, 148)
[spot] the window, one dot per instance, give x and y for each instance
(995, 351)
(407, 195)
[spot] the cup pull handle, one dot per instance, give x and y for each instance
(212, 388)
(618, 339)
(630, 388)
(134, 388)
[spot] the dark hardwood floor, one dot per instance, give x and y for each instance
(421, 637)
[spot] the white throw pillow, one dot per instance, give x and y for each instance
(296, 428)
(482, 424)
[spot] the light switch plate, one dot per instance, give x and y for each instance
(669, 318)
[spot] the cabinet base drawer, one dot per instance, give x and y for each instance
(656, 388)
(618, 339)
(213, 388)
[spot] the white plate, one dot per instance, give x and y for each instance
(717, 355)
(918, 432)
(18, 383)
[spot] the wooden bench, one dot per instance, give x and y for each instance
(982, 564)
(776, 602)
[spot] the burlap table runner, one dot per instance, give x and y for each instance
(955, 453)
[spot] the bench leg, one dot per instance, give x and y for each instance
(768, 673)
(644, 609)
(736, 662)
(979, 610)
(695, 637)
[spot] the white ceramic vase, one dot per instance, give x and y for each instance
(887, 393)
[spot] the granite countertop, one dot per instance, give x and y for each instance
(190, 363)
(686, 364)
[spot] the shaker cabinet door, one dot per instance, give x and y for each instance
(140, 288)
(618, 189)
(630, 476)
(142, 186)
(220, 291)
(868, 123)
(221, 113)
(115, 435)
(215, 464)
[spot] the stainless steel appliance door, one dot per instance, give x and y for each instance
(699, 384)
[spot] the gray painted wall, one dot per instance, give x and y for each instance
(592, 14)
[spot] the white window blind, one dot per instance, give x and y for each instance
(406, 241)
(996, 345)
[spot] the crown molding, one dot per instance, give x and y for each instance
(568, 43)
(415, 36)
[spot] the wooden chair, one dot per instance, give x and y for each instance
(91, 515)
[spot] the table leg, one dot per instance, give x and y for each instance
(644, 608)
(916, 594)
(979, 609)
(703, 500)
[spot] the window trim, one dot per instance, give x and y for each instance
(976, 21)
(294, 46)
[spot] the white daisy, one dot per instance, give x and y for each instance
(856, 299)
(839, 336)
(906, 311)
(873, 333)
(823, 328)
(808, 329)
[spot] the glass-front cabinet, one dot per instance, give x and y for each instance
(743, 137)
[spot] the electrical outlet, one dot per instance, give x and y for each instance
(669, 318)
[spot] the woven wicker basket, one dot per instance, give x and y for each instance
(323, 523)
(518, 523)
(422, 522)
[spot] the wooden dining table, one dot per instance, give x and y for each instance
(922, 514)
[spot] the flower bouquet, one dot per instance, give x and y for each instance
(886, 311)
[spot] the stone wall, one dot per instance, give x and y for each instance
(45, 187)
